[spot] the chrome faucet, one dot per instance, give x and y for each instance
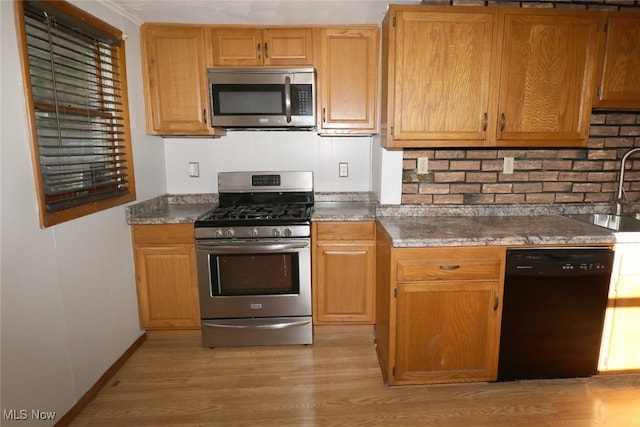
(618, 202)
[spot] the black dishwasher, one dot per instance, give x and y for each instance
(553, 312)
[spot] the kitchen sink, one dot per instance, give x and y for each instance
(624, 223)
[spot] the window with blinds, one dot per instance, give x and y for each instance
(74, 65)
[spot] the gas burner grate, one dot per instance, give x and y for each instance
(259, 212)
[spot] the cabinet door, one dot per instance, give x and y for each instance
(248, 47)
(620, 87)
(547, 76)
(175, 80)
(236, 47)
(440, 82)
(621, 339)
(348, 80)
(344, 291)
(447, 332)
(167, 287)
(288, 46)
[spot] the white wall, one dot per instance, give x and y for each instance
(387, 174)
(264, 150)
(68, 302)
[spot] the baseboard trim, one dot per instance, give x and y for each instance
(102, 381)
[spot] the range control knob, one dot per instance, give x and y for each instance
(218, 233)
(229, 233)
(253, 232)
(276, 232)
(287, 232)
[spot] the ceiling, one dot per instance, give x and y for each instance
(254, 12)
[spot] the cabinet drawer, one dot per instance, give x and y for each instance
(162, 234)
(345, 230)
(434, 265)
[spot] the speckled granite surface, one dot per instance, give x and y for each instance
(171, 209)
(418, 225)
(344, 207)
(344, 211)
(492, 210)
(423, 231)
(186, 208)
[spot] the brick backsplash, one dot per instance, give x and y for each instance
(564, 175)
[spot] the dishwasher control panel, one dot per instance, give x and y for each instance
(559, 261)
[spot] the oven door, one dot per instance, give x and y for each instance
(254, 278)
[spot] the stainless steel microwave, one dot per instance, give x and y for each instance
(262, 97)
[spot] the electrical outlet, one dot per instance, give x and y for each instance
(508, 166)
(194, 169)
(343, 169)
(423, 165)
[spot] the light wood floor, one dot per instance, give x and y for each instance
(335, 382)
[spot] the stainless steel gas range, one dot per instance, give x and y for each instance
(254, 260)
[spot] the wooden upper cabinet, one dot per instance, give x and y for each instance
(348, 80)
(254, 47)
(439, 75)
(548, 70)
(620, 84)
(489, 76)
(175, 77)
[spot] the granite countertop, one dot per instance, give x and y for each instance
(418, 225)
(423, 231)
(171, 209)
(186, 208)
(344, 207)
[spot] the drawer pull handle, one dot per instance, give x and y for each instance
(449, 267)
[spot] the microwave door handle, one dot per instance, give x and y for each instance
(287, 97)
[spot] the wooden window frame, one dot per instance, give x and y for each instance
(80, 202)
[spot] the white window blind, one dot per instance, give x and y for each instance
(78, 109)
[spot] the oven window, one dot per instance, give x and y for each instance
(254, 274)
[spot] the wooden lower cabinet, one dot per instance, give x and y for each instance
(166, 277)
(620, 351)
(438, 312)
(343, 273)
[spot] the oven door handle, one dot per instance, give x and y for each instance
(282, 325)
(240, 247)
